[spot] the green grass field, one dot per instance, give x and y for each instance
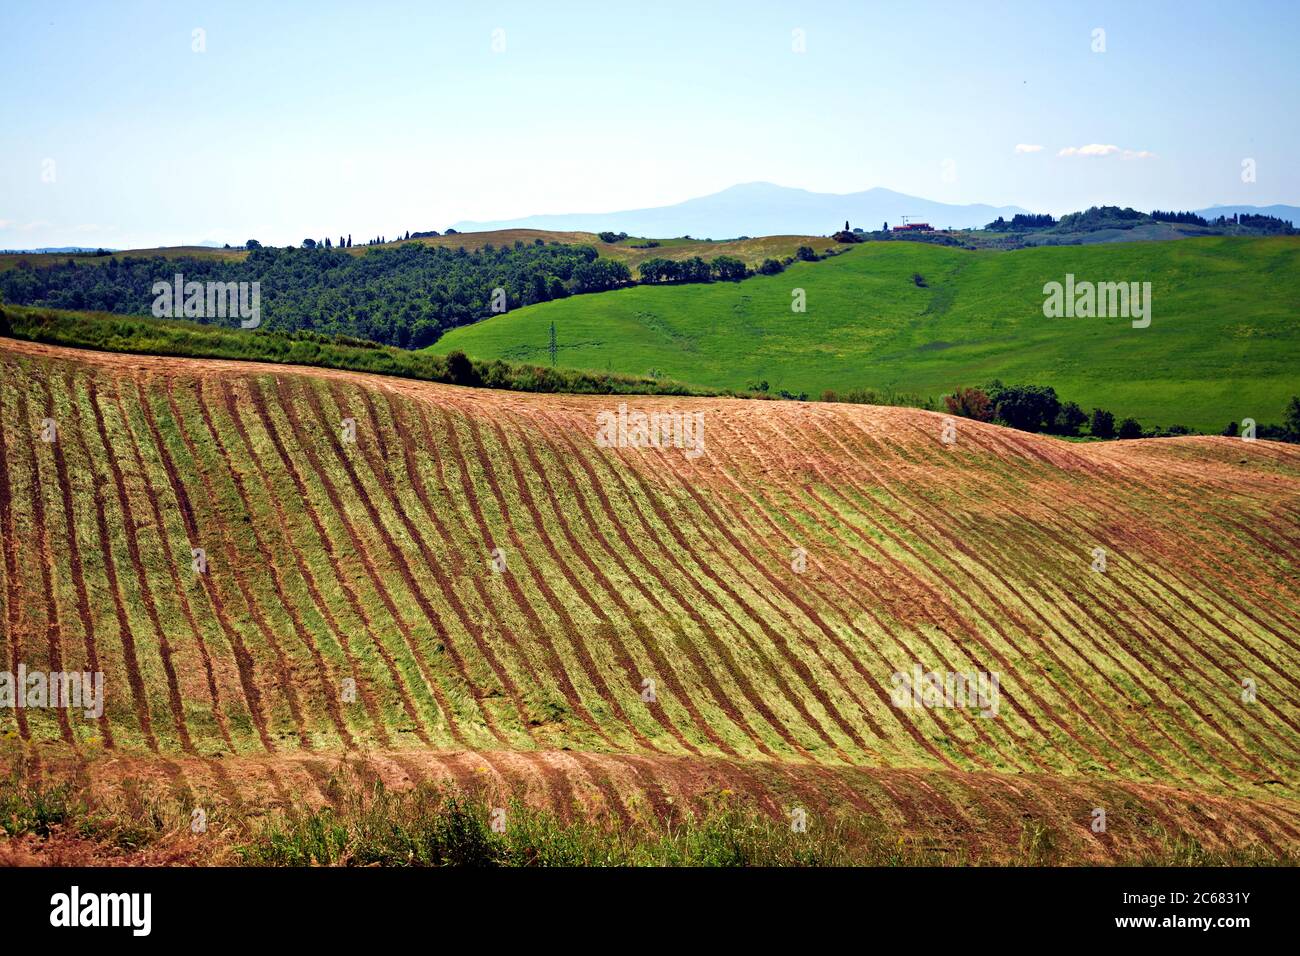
(1222, 344)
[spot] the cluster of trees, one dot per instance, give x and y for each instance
(1036, 408)
(1190, 218)
(694, 269)
(612, 237)
(1116, 217)
(1288, 431)
(405, 296)
(1270, 224)
(1021, 221)
(599, 275)
(1101, 217)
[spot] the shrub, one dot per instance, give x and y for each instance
(1103, 424)
(1031, 408)
(970, 403)
(770, 267)
(728, 269)
(1291, 421)
(1130, 428)
(1069, 419)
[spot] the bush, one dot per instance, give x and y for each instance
(600, 275)
(1031, 408)
(770, 267)
(805, 254)
(970, 403)
(728, 269)
(1130, 428)
(1103, 424)
(1069, 419)
(1291, 419)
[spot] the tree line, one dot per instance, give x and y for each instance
(1036, 408)
(405, 296)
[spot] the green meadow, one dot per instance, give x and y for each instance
(1222, 344)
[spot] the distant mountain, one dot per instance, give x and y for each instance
(762, 209)
(1290, 213)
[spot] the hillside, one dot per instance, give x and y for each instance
(1221, 345)
(371, 561)
(632, 251)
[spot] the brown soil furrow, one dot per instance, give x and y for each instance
(329, 682)
(129, 658)
(991, 547)
(183, 504)
(753, 698)
(836, 576)
(458, 670)
(349, 593)
(78, 571)
(432, 686)
(1189, 499)
(244, 664)
(706, 672)
(723, 526)
(383, 474)
(45, 561)
(780, 644)
(541, 632)
(339, 632)
(137, 564)
(235, 567)
(1187, 663)
(9, 544)
(621, 655)
(591, 532)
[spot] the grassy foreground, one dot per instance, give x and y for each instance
(919, 318)
(368, 824)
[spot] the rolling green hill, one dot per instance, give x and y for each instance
(1222, 344)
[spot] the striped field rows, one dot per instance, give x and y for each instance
(467, 572)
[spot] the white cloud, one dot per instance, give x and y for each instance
(1092, 149)
(1103, 149)
(1028, 148)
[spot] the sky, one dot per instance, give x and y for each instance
(122, 126)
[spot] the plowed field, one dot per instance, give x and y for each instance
(464, 584)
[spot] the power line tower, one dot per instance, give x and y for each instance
(552, 345)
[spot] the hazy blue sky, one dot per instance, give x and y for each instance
(323, 118)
